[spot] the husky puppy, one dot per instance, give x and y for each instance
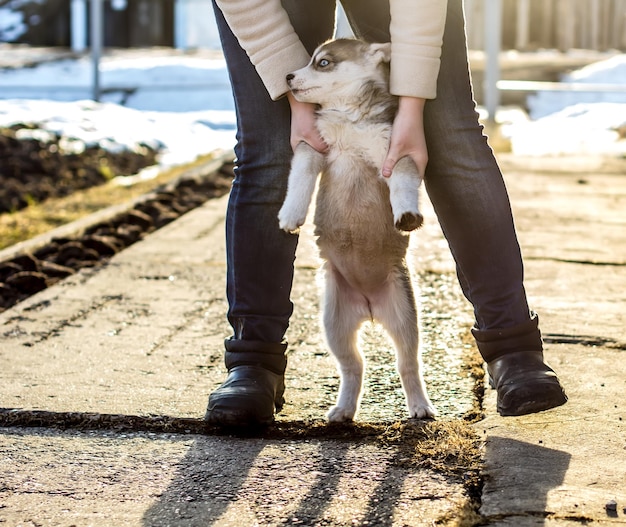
(359, 215)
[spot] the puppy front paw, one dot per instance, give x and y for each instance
(409, 221)
(337, 414)
(289, 221)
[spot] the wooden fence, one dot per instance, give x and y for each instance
(529, 25)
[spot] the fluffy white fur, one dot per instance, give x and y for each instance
(360, 215)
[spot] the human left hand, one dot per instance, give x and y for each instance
(407, 136)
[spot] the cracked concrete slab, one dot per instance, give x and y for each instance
(562, 467)
(144, 335)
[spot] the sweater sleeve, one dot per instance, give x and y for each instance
(264, 31)
(416, 37)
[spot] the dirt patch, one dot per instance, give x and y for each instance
(29, 273)
(36, 165)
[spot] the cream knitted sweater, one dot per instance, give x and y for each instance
(265, 32)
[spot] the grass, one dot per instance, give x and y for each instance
(452, 448)
(39, 218)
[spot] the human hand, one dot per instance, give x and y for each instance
(303, 127)
(407, 136)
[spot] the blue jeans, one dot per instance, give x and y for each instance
(463, 181)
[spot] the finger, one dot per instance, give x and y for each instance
(318, 144)
(388, 165)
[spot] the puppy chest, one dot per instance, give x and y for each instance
(351, 185)
(357, 143)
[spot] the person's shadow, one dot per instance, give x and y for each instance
(295, 481)
(207, 482)
(518, 477)
(257, 481)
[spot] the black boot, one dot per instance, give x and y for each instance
(254, 387)
(514, 356)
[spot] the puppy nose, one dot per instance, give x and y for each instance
(290, 76)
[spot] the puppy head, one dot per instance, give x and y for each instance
(339, 69)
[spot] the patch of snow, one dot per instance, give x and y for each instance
(610, 72)
(182, 105)
(12, 25)
(574, 122)
(581, 129)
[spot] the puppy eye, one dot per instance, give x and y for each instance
(323, 63)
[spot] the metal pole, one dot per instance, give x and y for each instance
(180, 21)
(97, 16)
(523, 25)
(79, 25)
(493, 35)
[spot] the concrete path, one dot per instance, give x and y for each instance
(132, 351)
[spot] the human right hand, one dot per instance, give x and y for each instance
(303, 127)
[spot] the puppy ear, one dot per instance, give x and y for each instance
(381, 51)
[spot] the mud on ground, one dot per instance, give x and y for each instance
(36, 165)
(26, 274)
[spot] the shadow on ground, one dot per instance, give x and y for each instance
(510, 462)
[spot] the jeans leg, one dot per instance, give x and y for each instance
(466, 187)
(369, 19)
(467, 190)
(259, 255)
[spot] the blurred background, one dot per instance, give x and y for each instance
(527, 25)
(549, 75)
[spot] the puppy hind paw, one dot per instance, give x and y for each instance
(422, 411)
(409, 221)
(340, 415)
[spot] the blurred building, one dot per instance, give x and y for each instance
(531, 25)
(527, 25)
(127, 23)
